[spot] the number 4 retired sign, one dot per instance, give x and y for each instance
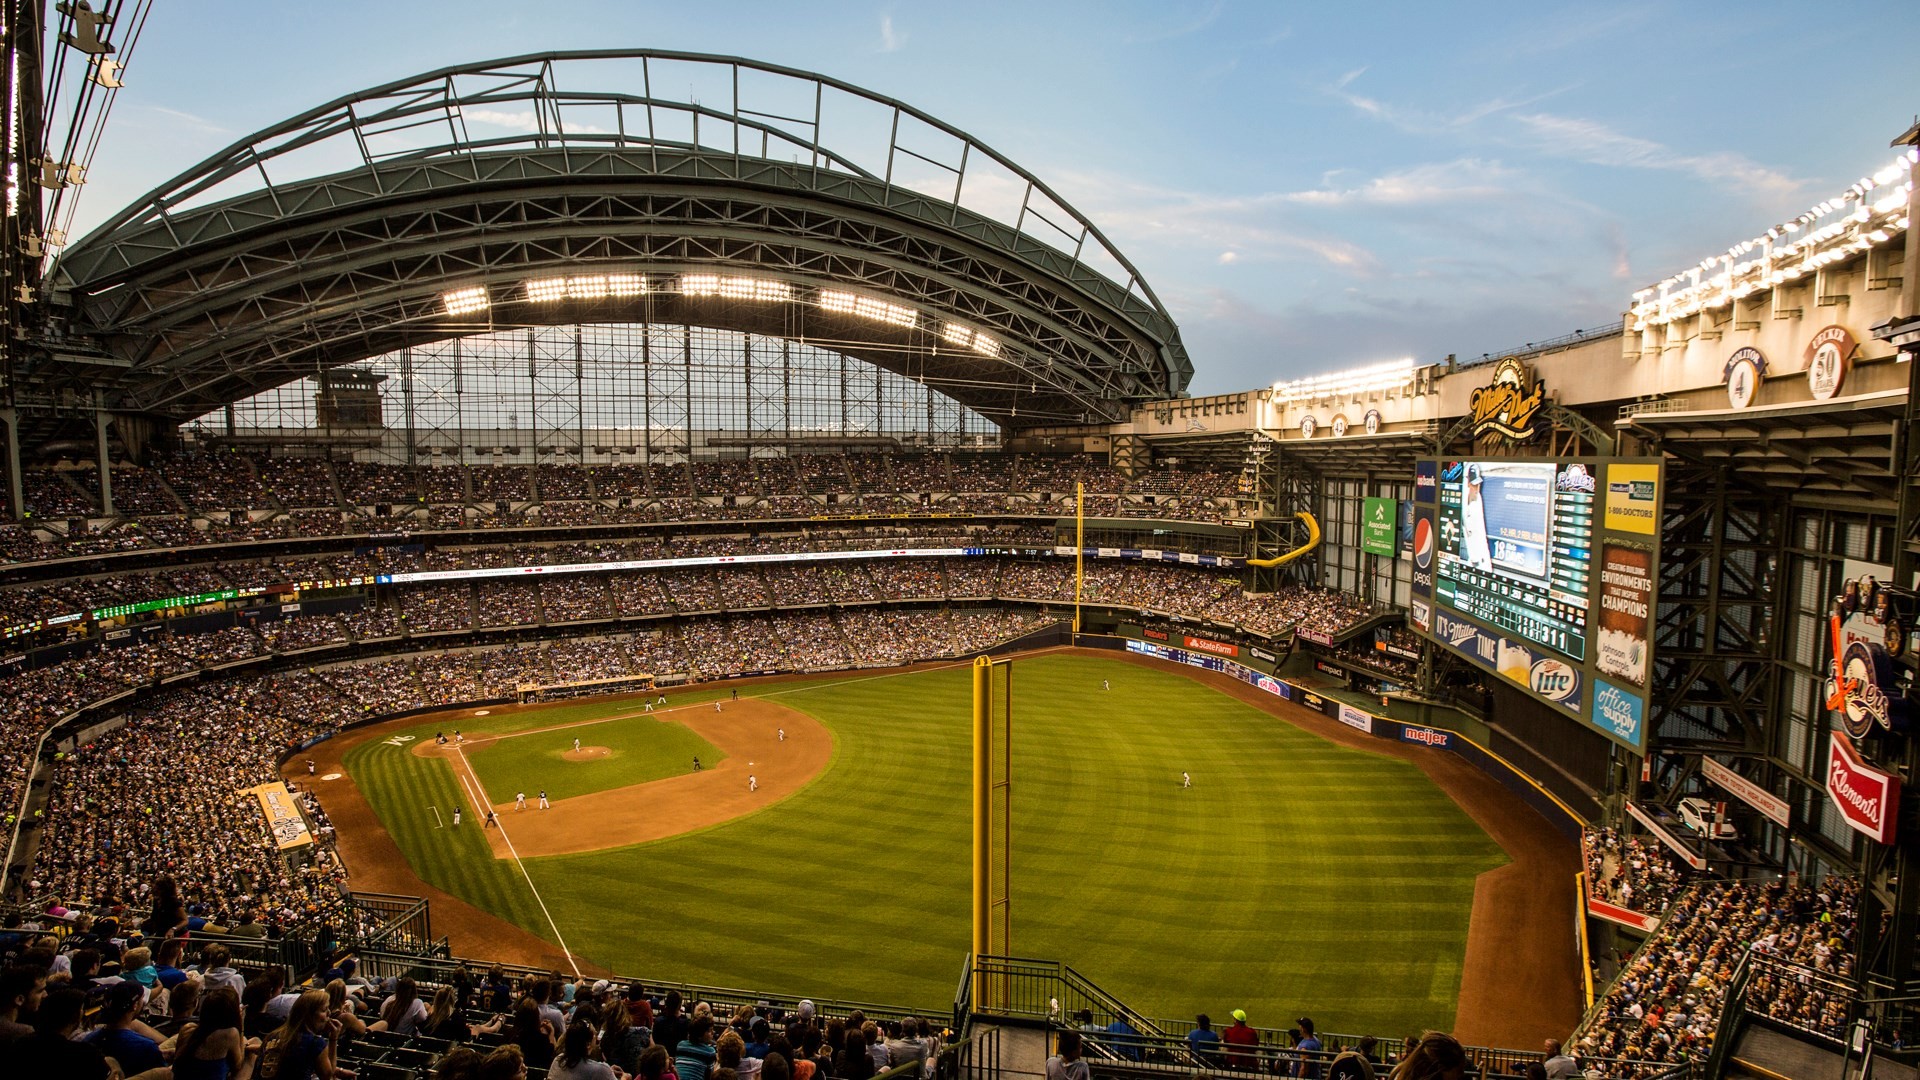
(1868, 798)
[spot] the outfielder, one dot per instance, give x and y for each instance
(1186, 781)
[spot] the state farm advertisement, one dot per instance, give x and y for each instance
(1868, 798)
(1626, 599)
(1217, 648)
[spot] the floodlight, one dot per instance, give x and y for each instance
(968, 338)
(546, 290)
(865, 307)
(735, 288)
(466, 301)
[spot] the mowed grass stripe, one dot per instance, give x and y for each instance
(1295, 876)
(405, 791)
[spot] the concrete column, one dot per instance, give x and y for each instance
(15, 496)
(100, 422)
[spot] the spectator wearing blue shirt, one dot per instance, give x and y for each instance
(1203, 1040)
(1309, 1046)
(135, 1052)
(1123, 1039)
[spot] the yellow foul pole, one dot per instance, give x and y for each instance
(1079, 550)
(982, 808)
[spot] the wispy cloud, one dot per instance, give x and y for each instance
(1244, 225)
(1569, 29)
(1595, 143)
(1464, 180)
(192, 120)
(1193, 26)
(525, 120)
(891, 39)
(1427, 121)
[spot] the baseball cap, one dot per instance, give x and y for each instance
(600, 987)
(805, 1008)
(1240, 1015)
(1305, 1022)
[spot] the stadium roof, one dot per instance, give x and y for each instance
(599, 187)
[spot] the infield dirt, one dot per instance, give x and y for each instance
(747, 731)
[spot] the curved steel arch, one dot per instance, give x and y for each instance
(241, 273)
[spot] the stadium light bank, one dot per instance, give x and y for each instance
(549, 290)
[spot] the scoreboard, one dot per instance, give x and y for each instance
(1515, 546)
(1542, 571)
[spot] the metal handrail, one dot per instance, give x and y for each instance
(440, 970)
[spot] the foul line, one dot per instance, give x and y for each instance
(474, 792)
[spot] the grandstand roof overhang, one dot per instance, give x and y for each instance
(1842, 452)
(336, 235)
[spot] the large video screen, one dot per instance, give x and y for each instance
(1543, 572)
(1515, 543)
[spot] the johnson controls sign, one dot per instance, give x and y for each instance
(1868, 798)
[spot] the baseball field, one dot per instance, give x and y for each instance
(1294, 873)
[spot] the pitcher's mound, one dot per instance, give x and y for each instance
(585, 753)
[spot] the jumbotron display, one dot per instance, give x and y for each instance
(1543, 571)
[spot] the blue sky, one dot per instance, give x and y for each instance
(1306, 186)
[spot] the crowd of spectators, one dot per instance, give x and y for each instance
(1666, 1004)
(1634, 872)
(224, 497)
(93, 994)
(119, 813)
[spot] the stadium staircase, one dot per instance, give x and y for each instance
(1752, 1043)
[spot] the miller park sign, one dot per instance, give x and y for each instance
(1509, 406)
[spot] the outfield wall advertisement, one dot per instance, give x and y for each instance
(1544, 572)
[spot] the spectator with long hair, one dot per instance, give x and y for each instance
(307, 1045)
(402, 1011)
(620, 1040)
(443, 1019)
(212, 1047)
(1437, 1056)
(576, 1058)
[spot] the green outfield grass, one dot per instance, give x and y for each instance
(642, 748)
(1295, 876)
